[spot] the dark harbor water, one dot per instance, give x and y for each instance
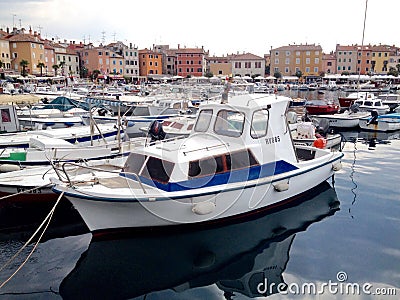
(345, 233)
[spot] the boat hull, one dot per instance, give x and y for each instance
(380, 125)
(105, 214)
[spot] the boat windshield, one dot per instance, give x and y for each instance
(229, 123)
(150, 167)
(203, 120)
(259, 123)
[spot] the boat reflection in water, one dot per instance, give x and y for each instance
(237, 257)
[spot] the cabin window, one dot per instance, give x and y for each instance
(203, 120)
(222, 163)
(259, 123)
(229, 123)
(5, 115)
(150, 167)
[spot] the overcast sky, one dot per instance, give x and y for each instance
(220, 26)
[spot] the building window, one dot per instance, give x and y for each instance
(315, 69)
(316, 60)
(308, 53)
(287, 53)
(297, 61)
(307, 61)
(287, 61)
(297, 53)
(308, 70)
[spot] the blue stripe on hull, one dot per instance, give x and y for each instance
(241, 175)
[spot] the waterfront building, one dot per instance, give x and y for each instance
(150, 62)
(191, 61)
(291, 59)
(247, 64)
(329, 63)
(381, 58)
(219, 65)
(130, 56)
(4, 53)
(28, 47)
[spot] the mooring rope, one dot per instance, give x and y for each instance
(48, 220)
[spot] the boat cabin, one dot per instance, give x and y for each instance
(242, 140)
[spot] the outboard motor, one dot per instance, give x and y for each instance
(374, 118)
(354, 108)
(323, 127)
(156, 131)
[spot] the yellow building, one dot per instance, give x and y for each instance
(219, 65)
(4, 53)
(288, 60)
(27, 47)
(381, 58)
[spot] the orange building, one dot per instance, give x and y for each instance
(150, 62)
(27, 47)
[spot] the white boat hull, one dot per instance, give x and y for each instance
(100, 214)
(386, 125)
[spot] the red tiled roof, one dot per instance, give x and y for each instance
(24, 38)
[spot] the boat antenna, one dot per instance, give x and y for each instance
(362, 44)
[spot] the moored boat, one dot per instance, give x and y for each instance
(320, 107)
(239, 159)
(388, 122)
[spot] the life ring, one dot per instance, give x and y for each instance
(319, 143)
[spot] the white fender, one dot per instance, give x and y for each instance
(281, 186)
(8, 168)
(337, 166)
(203, 208)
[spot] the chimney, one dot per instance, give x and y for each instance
(179, 46)
(8, 30)
(35, 33)
(30, 30)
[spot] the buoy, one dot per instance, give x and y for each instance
(319, 143)
(8, 168)
(203, 208)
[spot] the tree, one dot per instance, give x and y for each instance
(277, 75)
(298, 74)
(62, 65)
(41, 66)
(95, 74)
(393, 71)
(55, 67)
(398, 68)
(209, 74)
(24, 63)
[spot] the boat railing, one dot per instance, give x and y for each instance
(97, 169)
(207, 148)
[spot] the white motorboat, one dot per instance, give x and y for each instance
(80, 134)
(372, 103)
(239, 258)
(240, 159)
(347, 119)
(32, 184)
(42, 150)
(304, 133)
(388, 122)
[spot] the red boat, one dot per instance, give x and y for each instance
(319, 107)
(345, 102)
